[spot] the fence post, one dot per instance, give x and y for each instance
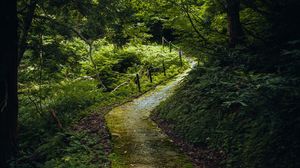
(150, 75)
(138, 82)
(180, 56)
(170, 45)
(164, 68)
(163, 42)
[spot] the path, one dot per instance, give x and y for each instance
(138, 142)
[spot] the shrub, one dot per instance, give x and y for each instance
(252, 117)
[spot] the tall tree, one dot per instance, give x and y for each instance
(8, 81)
(235, 30)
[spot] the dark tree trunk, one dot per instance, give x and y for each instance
(236, 33)
(8, 81)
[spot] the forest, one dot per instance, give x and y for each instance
(150, 83)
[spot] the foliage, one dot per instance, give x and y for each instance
(73, 94)
(242, 102)
(251, 117)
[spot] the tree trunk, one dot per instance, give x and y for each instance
(236, 33)
(8, 82)
(95, 66)
(27, 20)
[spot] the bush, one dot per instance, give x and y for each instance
(252, 117)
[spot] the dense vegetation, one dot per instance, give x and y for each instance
(76, 59)
(250, 117)
(74, 96)
(244, 101)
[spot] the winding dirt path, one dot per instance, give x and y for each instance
(137, 140)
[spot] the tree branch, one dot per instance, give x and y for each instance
(24, 34)
(122, 84)
(193, 25)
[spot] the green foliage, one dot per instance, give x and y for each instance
(43, 143)
(80, 151)
(69, 149)
(71, 98)
(244, 103)
(251, 117)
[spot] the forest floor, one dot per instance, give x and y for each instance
(137, 140)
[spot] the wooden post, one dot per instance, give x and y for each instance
(138, 82)
(170, 45)
(150, 75)
(163, 42)
(164, 68)
(180, 57)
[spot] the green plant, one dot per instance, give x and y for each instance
(251, 117)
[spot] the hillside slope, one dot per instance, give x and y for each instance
(252, 118)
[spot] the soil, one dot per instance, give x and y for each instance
(201, 156)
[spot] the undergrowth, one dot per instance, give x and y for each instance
(44, 144)
(252, 118)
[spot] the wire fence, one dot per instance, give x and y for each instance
(163, 68)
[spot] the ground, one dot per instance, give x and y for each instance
(137, 140)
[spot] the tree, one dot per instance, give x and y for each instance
(8, 82)
(235, 30)
(24, 24)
